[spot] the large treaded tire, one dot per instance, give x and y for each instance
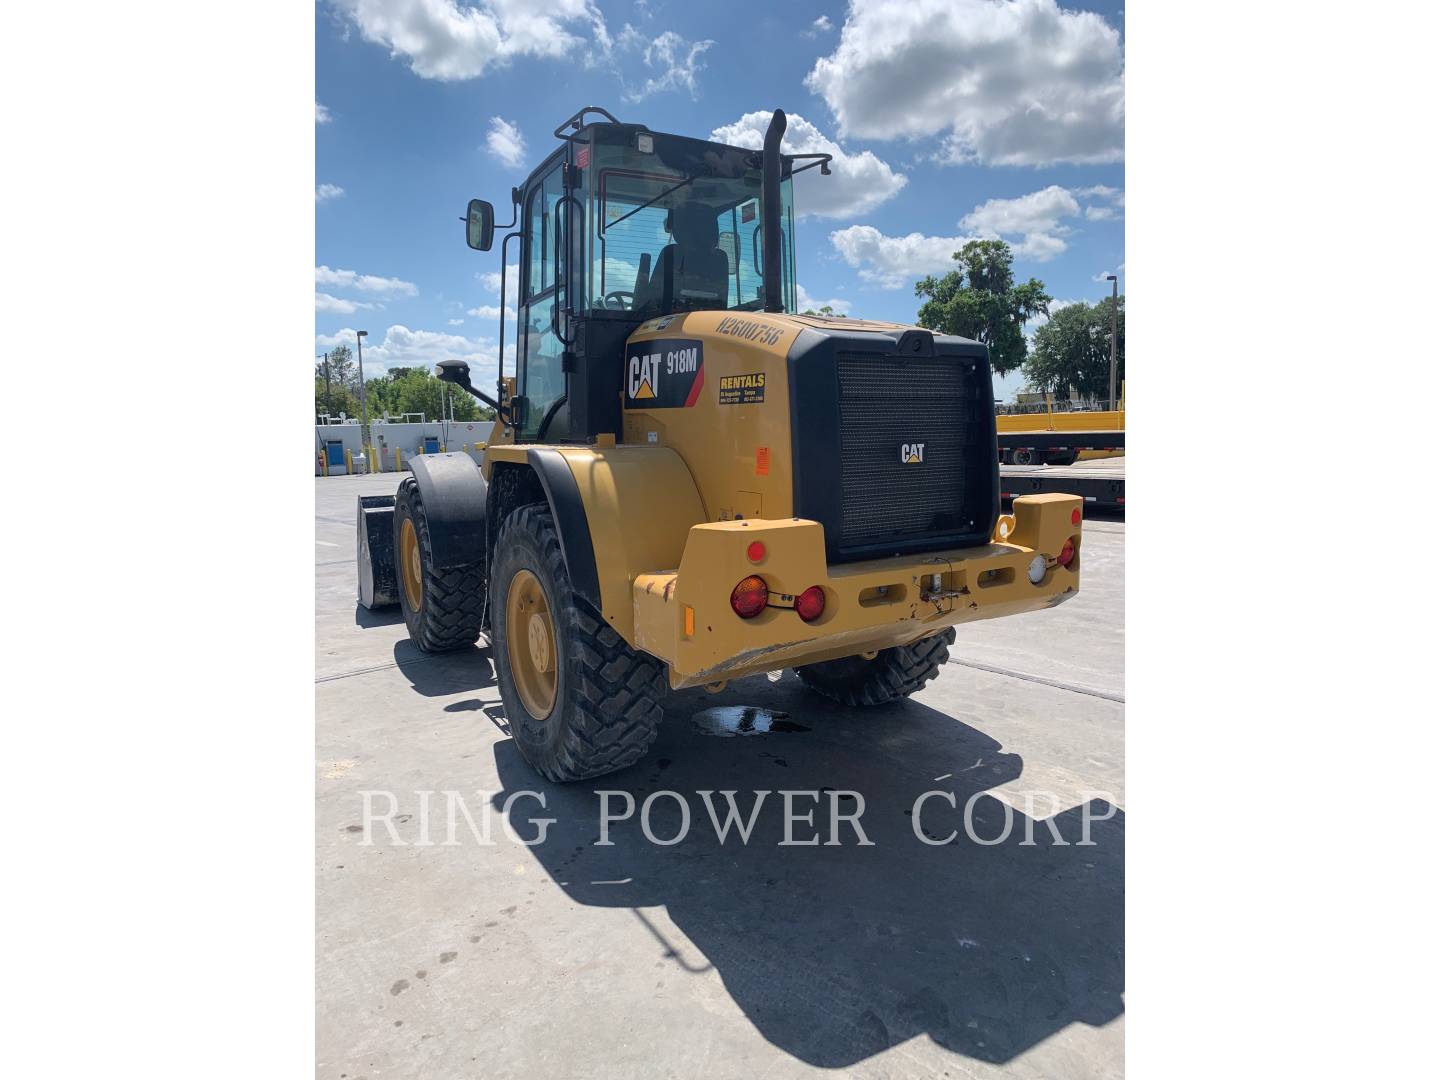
(893, 674)
(452, 602)
(608, 696)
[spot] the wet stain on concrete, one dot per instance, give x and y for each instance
(729, 721)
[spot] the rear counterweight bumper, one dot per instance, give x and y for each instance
(684, 616)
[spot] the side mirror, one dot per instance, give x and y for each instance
(453, 371)
(479, 225)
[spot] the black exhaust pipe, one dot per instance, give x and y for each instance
(770, 212)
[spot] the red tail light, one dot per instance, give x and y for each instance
(1075, 516)
(1067, 554)
(810, 604)
(756, 551)
(750, 597)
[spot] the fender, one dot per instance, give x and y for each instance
(621, 511)
(453, 492)
(568, 509)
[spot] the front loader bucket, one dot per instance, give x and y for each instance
(375, 550)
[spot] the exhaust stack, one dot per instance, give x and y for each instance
(770, 212)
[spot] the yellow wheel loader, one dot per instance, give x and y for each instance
(688, 482)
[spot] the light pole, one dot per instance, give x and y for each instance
(1114, 322)
(364, 412)
(325, 359)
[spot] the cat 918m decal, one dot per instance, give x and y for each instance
(667, 373)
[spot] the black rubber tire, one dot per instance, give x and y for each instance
(893, 674)
(452, 602)
(608, 696)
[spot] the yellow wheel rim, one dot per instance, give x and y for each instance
(410, 575)
(530, 641)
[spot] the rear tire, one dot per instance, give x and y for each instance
(604, 698)
(893, 674)
(443, 608)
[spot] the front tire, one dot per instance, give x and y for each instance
(893, 673)
(443, 608)
(579, 700)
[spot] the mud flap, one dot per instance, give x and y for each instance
(375, 550)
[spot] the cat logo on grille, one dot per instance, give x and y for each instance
(912, 453)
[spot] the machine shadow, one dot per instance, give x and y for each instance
(443, 674)
(836, 953)
(367, 619)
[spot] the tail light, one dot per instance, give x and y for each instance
(1067, 553)
(810, 604)
(750, 597)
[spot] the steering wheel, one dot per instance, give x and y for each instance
(620, 300)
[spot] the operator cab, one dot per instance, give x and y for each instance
(619, 225)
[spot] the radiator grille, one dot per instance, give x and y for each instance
(887, 403)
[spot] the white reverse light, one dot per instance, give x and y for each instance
(645, 143)
(1037, 570)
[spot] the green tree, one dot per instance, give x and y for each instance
(826, 310)
(1073, 349)
(339, 400)
(343, 371)
(417, 390)
(980, 300)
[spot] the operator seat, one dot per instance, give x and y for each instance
(692, 272)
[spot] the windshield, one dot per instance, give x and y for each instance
(678, 228)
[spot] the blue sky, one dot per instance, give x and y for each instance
(949, 118)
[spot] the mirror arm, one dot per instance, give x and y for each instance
(486, 398)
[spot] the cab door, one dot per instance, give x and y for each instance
(543, 296)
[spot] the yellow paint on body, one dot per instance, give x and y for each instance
(673, 508)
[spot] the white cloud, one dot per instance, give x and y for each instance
(1031, 325)
(403, 347)
(1033, 225)
(322, 114)
(895, 261)
(491, 282)
(505, 142)
(1034, 218)
(677, 60)
(811, 303)
(457, 322)
(492, 312)
(820, 26)
(368, 283)
(440, 39)
(1109, 202)
(1039, 211)
(336, 305)
(1005, 82)
(858, 182)
(324, 192)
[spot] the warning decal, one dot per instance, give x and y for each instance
(667, 373)
(742, 389)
